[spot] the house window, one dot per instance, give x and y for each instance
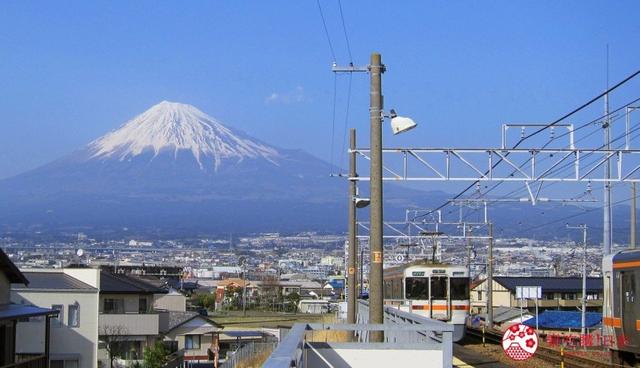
(569, 296)
(593, 296)
(57, 364)
(192, 342)
(57, 321)
(113, 306)
(479, 295)
(142, 305)
(74, 315)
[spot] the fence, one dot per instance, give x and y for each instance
(407, 338)
(246, 352)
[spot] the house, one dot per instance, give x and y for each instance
(560, 293)
(12, 352)
(127, 322)
(194, 337)
(73, 292)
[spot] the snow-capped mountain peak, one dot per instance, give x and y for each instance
(171, 126)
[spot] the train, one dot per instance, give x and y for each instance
(621, 308)
(438, 291)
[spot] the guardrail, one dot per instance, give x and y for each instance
(402, 331)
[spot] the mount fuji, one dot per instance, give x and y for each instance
(174, 168)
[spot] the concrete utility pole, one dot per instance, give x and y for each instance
(352, 281)
(490, 279)
(376, 307)
(583, 227)
(606, 229)
(633, 222)
(467, 234)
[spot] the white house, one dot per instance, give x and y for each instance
(74, 333)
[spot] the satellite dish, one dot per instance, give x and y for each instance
(79, 252)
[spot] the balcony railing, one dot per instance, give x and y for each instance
(128, 324)
(408, 339)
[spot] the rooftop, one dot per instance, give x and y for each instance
(54, 281)
(121, 284)
(10, 270)
(15, 311)
(551, 284)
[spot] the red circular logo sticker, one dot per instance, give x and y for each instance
(520, 342)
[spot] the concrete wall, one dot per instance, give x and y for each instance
(170, 302)
(4, 289)
(82, 340)
(89, 276)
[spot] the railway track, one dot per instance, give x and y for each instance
(544, 353)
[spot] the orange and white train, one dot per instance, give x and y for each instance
(433, 290)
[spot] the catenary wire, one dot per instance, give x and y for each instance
(555, 122)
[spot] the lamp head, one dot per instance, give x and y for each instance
(361, 202)
(400, 124)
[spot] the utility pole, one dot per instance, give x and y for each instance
(633, 222)
(376, 307)
(583, 227)
(606, 229)
(490, 279)
(467, 234)
(353, 246)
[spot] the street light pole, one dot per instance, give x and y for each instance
(353, 246)
(376, 308)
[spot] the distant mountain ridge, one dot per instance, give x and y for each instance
(175, 170)
(173, 166)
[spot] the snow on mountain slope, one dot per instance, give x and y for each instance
(170, 126)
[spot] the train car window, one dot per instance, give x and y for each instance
(438, 287)
(459, 288)
(417, 288)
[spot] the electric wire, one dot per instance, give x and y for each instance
(333, 120)
(344, 29)
(568, 164)
(326, 31)
(346, 122)
(555, 122)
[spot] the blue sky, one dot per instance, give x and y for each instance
(72, 71)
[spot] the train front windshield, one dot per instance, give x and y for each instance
(459, 288)
(417, 288)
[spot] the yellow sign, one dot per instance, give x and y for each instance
(352, 270)
(377, 257)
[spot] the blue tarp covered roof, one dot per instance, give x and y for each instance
(551, 319)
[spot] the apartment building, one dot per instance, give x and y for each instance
(560, 293)
(73, 292)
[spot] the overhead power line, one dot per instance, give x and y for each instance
(326, 31)
(555, 122)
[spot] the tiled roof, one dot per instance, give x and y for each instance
(120, 284)
(10, 270)
(552, 284)
(54, 281)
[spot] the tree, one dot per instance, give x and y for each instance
(114, 339)
(155, 356)
(294, 299)
(206, 300)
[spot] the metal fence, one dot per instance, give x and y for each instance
(246, 352)
(402, 330)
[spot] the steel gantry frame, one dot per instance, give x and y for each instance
(525, 169)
